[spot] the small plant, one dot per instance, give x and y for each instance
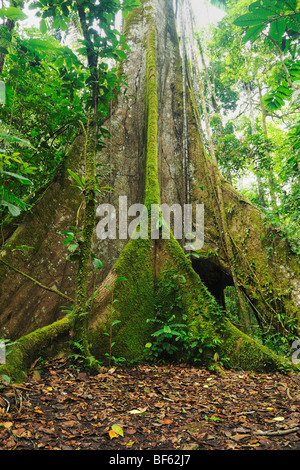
(81, 183)
(174, 338)
(171, 332)
(167, 339)
(13, 175)
(73, 240)
(80, 359)
(112, 323)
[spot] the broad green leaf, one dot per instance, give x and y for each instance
(121, 279)
(252, 19)
(290, 4)
(43, 26)
(277, 29)
(73, 247)
(255, 5)
(12, 138)
(5, 378)
(39, 44)
(14, 210)
(293, 22)
(121, 54)
(21, 178)
(75, 177)
(284, 90)
(98, 263)
(68, 239)
(2, 91)
(157, 333)
(12, 13)
(167, 329)
(252, 33)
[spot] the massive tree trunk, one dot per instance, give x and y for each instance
(155, 155)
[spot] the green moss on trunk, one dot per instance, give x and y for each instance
(89, 216)
(26, 349)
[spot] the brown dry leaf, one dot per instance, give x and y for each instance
(241, 430)
(130, 431)
(68, 424)
(138, 411)
(22, 432)
(7, 424)
(10, 442)
(189, 446)
(36, 376)
(168, 421)
(239, 437)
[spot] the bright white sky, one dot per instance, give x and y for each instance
(205, 14)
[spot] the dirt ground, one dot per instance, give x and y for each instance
(167, 407)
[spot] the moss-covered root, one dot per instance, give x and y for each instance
(131, 301)
(28, 348)
(245, 353)
(206, 320)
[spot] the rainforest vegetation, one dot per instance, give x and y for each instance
(94, 105)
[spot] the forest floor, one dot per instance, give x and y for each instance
(145, 407)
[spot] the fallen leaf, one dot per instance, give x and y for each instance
(117, 429)
(130, 431)
(159, 404)
(112, 434)
(189, 447)
(7, 425)
(10, 442)
(68, 424)
(36, 376)
(168, 421)
(239, 437)
(137, 411)
(278, 418)
(241, 430)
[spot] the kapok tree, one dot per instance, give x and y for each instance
(155, 155)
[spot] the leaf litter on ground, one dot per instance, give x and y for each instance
(150, 407)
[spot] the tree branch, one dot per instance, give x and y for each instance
(281, 432)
